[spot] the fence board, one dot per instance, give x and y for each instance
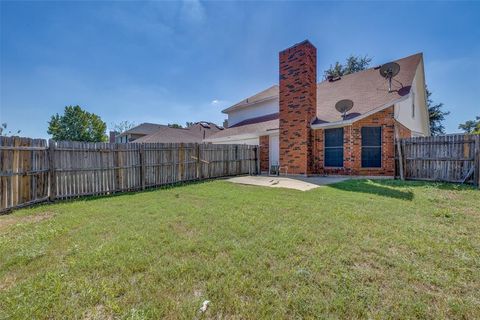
(31, 171)
(448, 158)
(23, 171)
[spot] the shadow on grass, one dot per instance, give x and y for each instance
(426, 184)
(147, 189)
(377, 187)
(81, 198)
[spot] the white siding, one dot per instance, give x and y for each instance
(416, 120)
(256, 110)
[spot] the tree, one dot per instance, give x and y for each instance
(175, 125)
(4, 132)
(188, 124)
(123, 126)
(352, 64)
(77, 124)
(471, 126)
(436, 115)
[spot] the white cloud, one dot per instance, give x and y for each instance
(192, 11)
(219, 103)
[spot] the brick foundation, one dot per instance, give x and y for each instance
(298, 101)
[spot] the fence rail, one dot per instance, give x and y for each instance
(32, 171)
(449, 158)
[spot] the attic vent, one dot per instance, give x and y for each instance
(333, 78)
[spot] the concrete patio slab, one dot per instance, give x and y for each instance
(291, 182)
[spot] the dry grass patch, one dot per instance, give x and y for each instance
(9, 220)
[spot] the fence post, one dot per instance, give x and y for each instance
(227, 159)
(238, 167)
(116, 164)
(51, 171)
(198, 164)
(181, 160)
(400, 157)
(142, 165)
(476, 162)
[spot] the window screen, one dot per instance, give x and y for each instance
(334, 147)
(371, 147)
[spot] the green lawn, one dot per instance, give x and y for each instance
(357, 249)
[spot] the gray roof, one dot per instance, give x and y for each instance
(367, 89)
(195, 133)
(144, 128)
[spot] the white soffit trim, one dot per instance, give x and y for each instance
(342, 123)
(247, 104)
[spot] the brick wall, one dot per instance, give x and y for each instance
(264, 153)
(352, 142)
(298, 101)
(403, 131)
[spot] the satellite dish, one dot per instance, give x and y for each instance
(388, 71)
(343, 106)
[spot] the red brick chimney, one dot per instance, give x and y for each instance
(298, 104)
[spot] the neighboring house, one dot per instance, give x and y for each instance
(299, 129)
(157, 133)
(138, 132)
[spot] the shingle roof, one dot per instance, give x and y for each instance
(196, 133)
(144, 128)
(257, 120)
(367, 89)
(169, 135)
(250, 128)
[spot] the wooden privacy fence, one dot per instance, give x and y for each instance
(450, 158)
(32, 171)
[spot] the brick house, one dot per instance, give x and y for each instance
(298, 128)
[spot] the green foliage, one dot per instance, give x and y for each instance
(356, 250)
(352, 64)
(77, 124)
(175, 125)
(123, 126)
(471, 126)
(436, 115)
(188, 124)
(4, 132)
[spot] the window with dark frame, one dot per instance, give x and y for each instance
(333, 148)
(372, 147)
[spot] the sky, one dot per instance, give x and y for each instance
(172, 62)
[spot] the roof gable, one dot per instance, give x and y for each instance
(144, 128)
(367, 89)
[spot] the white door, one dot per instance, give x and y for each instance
(274, 150)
